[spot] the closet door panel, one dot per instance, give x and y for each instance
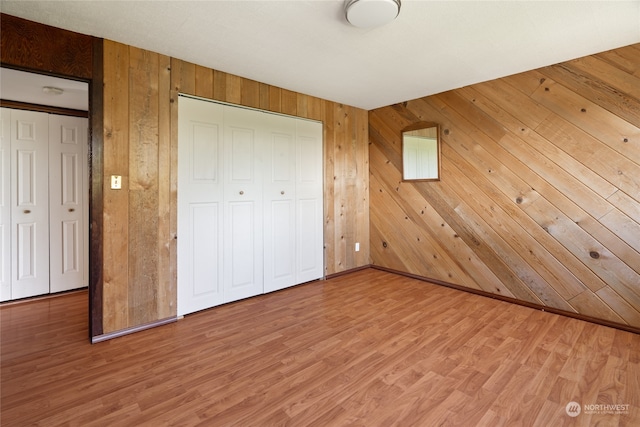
(280, 211)
(205, 246)
(30, 204)
(68, 232)
(309, 201)
(200, 205)
(5, 204)
(280, 257)
(243, 238)
(243, 275)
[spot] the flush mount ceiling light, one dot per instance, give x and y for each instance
(371, 13)
(51, 90)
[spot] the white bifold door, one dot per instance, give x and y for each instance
(249, 203)
(43, 205)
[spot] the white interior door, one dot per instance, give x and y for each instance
(67, 198)
(243, 236)
(200, 208)
(279, 199)
(5, 204)
(309, 201)
(29, 204)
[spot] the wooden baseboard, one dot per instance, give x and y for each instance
(342, 273)
(590, 319)
(122, 332)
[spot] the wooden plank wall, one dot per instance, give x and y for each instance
(140, 143)
(540, 192)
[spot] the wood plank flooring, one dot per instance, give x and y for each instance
(365, 349)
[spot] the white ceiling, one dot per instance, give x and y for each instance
(308, 47)
(27, 87)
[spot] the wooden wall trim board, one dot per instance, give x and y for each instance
(96, 191)
(5, 103)
(540, 192)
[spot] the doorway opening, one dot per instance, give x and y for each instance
(44, 206)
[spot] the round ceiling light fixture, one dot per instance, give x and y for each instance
(52, 90)
(371, 13)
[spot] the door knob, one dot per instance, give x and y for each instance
(27, 211)
(282, 192)
(241, 192)
(71, 210)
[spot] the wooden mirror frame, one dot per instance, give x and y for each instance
(415, 129)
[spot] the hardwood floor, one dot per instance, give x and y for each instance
(366, 349)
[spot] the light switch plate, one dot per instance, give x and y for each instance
(116, 182)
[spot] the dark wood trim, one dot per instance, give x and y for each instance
(96, 204)
(578, 316)
(345, 272)
(127, 331)
(18, 105)
(33, 46)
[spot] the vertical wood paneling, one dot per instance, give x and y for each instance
(143, 89)
(116, 202)
(167, 219)
(204, 82)
(139, 223)
(143, 186)
(540, 188)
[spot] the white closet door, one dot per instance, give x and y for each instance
(29, 204)
(67, 198)
(309, 201)
(243, 239)
(5, 204)
(200, 208)
(279, 199)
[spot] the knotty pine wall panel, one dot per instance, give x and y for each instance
(539, 197)
(140, 132)
(139, 275)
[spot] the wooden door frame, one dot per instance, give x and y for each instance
(39, 48)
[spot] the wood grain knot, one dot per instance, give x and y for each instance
(446, 132)
(584, 110)
(518, 200)
(625, 140)
(594, 254)
(384, 244)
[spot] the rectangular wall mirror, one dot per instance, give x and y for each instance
(421, 152)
